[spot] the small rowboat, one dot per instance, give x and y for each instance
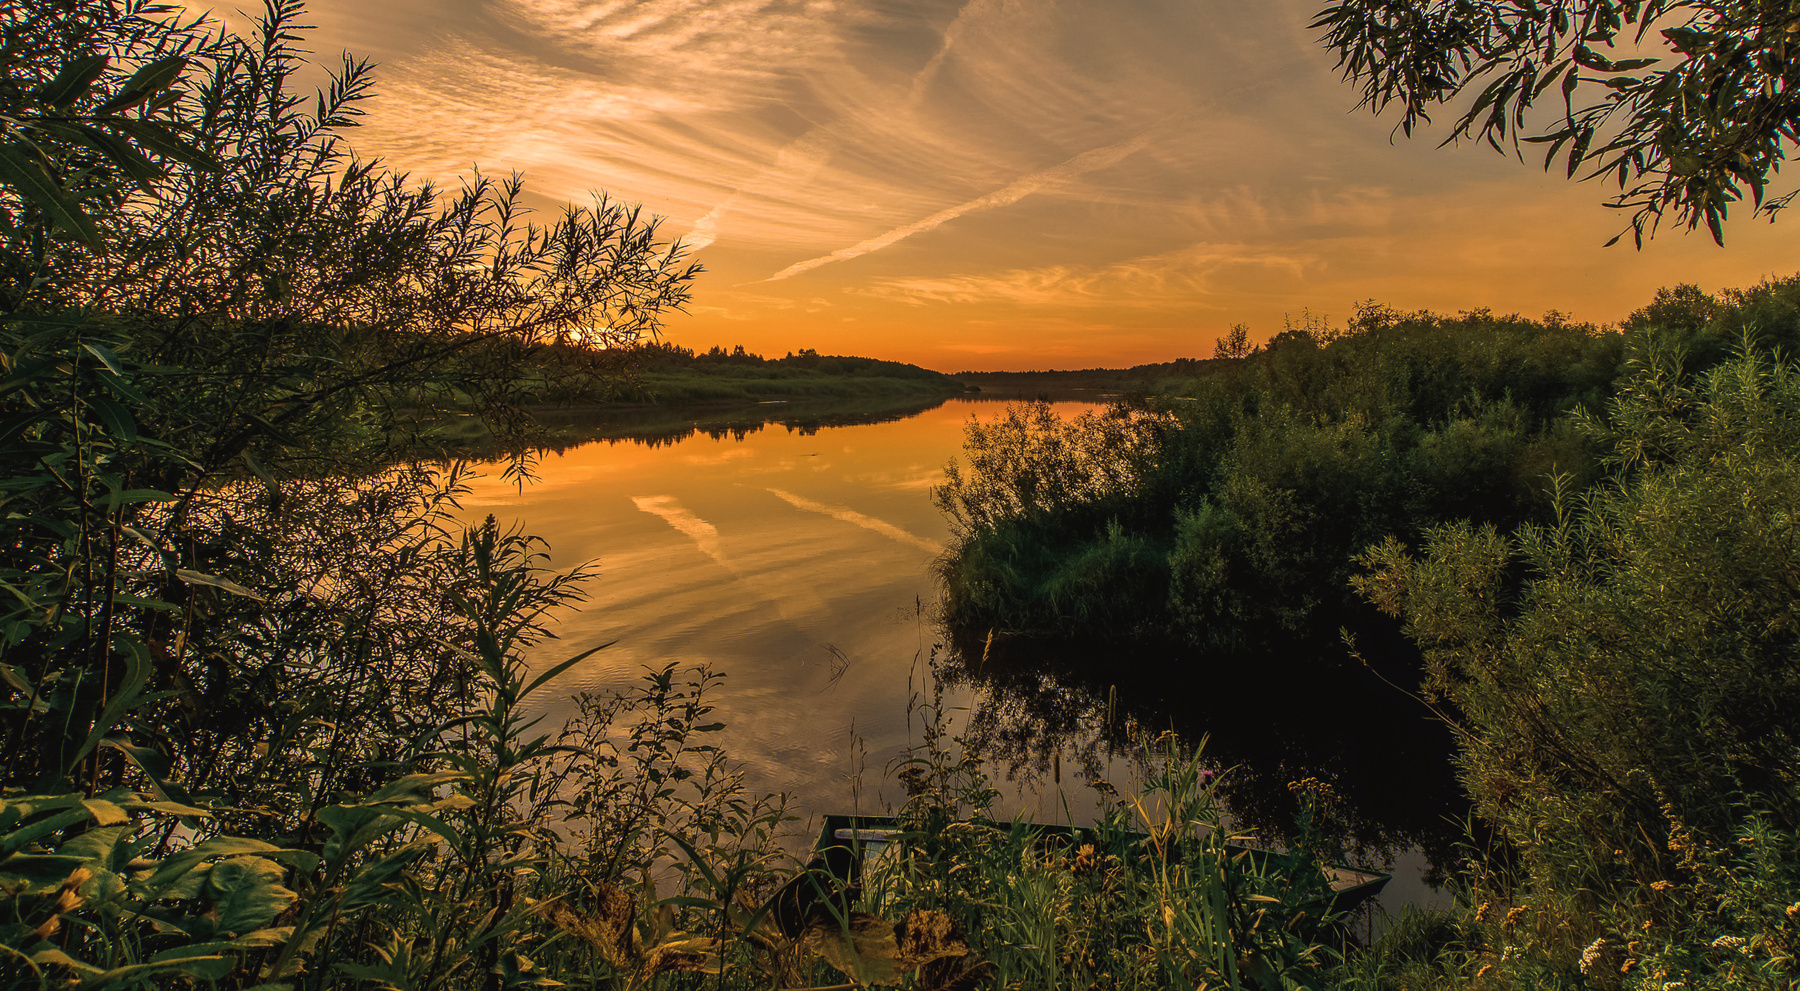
(847, 843)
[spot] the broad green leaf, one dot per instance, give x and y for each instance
(120, 152)
(353, 828)
(105, 813)
(145, 83)
(55, 957)
(214, 948)
(156, 138)
(173, 808)
(227, 846)
(257, 469)
(124, 389)
(106, 356)
(116, 149)
(185, 866)
(247, 893)
(16, 681)
(414, 788)
(18, 838)
(200, 578)
(95, 844)
(72, 81)
(117, 419)
(46, 869)
(263, 939)
(25, 174)
(206, 967)
(137, 675)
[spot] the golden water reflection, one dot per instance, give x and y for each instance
(797, 561)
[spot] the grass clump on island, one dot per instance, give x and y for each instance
(1588, 537)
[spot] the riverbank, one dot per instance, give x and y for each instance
(559, 428)
(1175, 377)
(1568, 543)
(663, 374)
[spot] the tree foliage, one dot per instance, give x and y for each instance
(1235, 508)
(248, 669)
(1685, 131)
(1626, 684)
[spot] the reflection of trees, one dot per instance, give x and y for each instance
(661, 426)
(1273, 719)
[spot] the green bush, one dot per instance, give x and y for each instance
(1261, 483)
(1626, 683)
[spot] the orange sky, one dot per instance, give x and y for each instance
(999, 184)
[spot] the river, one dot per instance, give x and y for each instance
(796, 558)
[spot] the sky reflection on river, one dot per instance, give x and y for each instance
(797, 563)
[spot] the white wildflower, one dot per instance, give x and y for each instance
(1728, 942)
(1591, 957)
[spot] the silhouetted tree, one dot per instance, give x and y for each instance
(1685, 131)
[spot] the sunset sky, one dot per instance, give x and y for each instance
(999, 184)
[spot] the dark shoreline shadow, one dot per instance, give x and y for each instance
(560, 429)
(1271, 717)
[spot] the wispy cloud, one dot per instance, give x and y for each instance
(704, 535)
(1012, 192)
(798, 164)
(1189, 274)
(866, 522)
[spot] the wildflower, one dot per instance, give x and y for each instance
(1085, 858)
(1661, 885)
(1483, 971)
(1481, 914)
(1728, 942)
(1793, 911)
(1593, 955)
(1512, 916)
(1628, 966)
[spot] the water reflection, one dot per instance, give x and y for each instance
(662, 426)
(792, 549)
(1275, 720)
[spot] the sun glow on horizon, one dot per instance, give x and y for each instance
(1009, 184)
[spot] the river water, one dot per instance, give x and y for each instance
(796, 558)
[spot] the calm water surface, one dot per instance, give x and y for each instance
(798, 561)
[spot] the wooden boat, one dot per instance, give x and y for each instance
(847, 843)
